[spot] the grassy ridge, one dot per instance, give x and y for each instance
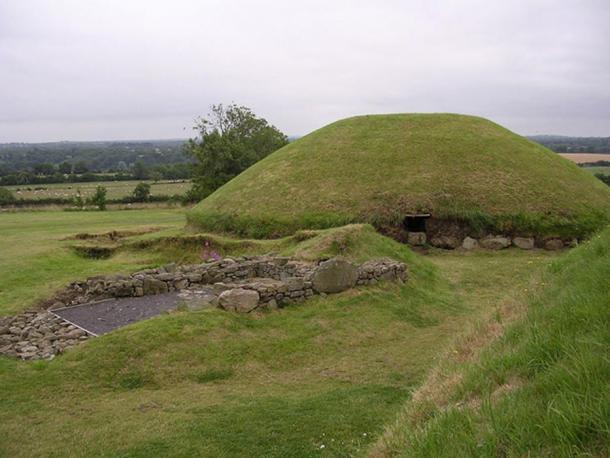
(378, 168)
(543, 389)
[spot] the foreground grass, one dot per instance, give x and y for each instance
(35, 260)
(319, 378)
(541, 390)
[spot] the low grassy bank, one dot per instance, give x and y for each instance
(542, 389)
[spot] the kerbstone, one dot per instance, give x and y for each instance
(334, 276)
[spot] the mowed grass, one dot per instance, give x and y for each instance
(115, 189)
(379, 168)
(320, 378)
(35, 259)
(542, 389)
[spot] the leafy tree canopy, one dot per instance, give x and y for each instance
(230, 139)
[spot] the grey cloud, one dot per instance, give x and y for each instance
(145, 69)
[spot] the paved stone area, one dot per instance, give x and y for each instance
(101, 317)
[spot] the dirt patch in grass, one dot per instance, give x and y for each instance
(112, 236)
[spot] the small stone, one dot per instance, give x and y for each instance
(492, 242)
(445, 241)
(416, 238)
(470, 244)
(553, 244)
(525, 243)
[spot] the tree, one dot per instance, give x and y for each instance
(229, 141)
(142, 192)
(65, 168)
(6, 197)
(99, 198)
(44, 168)
(81, 167)
(140, 172)
(155, 175)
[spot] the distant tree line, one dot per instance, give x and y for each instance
(95, 156)
(562, 144)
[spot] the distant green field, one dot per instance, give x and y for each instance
(116, 189)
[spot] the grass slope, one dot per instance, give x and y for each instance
(541, 390)
(319, 378)
(378, 168)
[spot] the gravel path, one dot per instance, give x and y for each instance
(102, 317)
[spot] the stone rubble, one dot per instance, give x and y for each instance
(37, 335)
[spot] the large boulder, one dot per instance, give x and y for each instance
(445, 241)
(335, 275)
(153, 286)
(525, 243)
(495, 242)
(553, 244)
(239, 300)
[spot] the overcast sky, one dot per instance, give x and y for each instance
(139, 69)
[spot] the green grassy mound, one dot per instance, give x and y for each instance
(543, 389)
(376, 169)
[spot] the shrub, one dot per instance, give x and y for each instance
(6, 197)
(141, 193)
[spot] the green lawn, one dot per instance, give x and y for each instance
(115, 189)
(320, 378)
(35, 260)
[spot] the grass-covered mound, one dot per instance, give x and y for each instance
(378, 168)
(543, 389)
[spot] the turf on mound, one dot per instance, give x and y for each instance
(377, 169)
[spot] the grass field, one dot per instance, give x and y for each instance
(35, 260)
(377, 169)
(581, 158)
(115, 189)
(321, 378)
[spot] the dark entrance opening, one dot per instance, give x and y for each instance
(416, 223)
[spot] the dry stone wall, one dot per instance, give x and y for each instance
(491, 242)
(241, 285)
(279, 278)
